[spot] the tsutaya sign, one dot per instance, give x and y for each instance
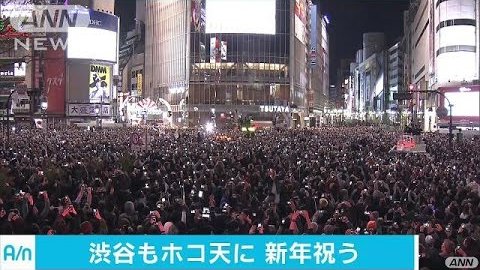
(282, 109)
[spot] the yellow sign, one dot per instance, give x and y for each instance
(139, 84)
(100, 83)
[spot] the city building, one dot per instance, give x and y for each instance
(21, 71)
(395, 58)
(370, 75)
(351, 94)
(131, 68)
(220, 61)
(91, 66)
(443, 55)
(340, 100)
(319, 65)
(71, 83)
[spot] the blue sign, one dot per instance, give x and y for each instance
(103, 20)
(271, 252)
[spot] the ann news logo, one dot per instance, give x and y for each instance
(17, 252)
(461, 262)
(28, 25)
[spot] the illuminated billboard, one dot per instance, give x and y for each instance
(301, 20)
(98, 41)
(218, 50)
(13, 71)
(198, 15)
(241, 16)
(465, 104)
(100, 84)
(91, 43)
(20, 69)
(55, 83)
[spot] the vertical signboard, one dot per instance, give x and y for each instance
(215, 47)
(198, 16)
(139, 84)
(54, 72)
(223, 53)
(313, 35)
(218, 50)
(100, 83)
(301, 20)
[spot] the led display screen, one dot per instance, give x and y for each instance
(241, 16)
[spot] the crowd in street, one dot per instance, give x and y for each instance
(332, 180)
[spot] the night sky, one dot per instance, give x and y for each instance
(348, 18)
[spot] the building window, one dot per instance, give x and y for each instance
(421, 34)
(456, 48)
(439, 2)
(456, 22)
(420, 72)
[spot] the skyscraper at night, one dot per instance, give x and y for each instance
(223, 60)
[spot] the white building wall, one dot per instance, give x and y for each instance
(456, 41)
(166, 34)
(420, 44)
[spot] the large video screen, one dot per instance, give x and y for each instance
(92, 43)
(241, 16)
(464, 103)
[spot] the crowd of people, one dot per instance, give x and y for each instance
(332, 180)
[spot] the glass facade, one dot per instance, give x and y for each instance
(240, 72)
(166, 51)
(236, 74)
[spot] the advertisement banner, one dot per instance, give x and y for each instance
(20, 69)
(313, 35)
(223, 52)
(222, 252)
(301, 10)
(198, 16)
(218, 50)
(97, 41)
(241, 17)
(100, 84)
(215, 50)
(301, 20)
(139, 84)
(55, 83)
(89, 110)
